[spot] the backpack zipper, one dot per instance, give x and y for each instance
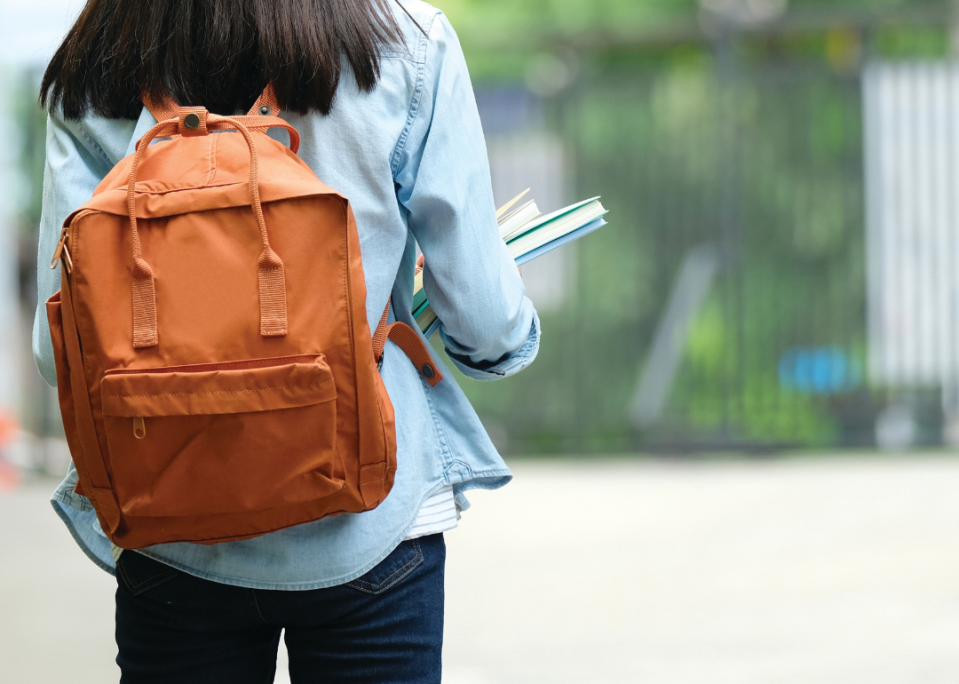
(139, 428)
(62, 251)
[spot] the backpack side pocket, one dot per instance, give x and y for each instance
(64, 388)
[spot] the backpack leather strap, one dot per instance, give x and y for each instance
(91, 467)
(265, 106)
(162, 111)
(412, 344)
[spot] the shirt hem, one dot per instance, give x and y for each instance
(492, 479)
(57, 502)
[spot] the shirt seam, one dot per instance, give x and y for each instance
(73, 500)
(470, 475)
(417, 97)
(94, 144)
(445, 451)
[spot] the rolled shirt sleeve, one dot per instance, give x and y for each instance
(488, 325)
(510, 364)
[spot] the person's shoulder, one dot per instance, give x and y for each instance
(417, 14)
(107, 140)
(420, 23)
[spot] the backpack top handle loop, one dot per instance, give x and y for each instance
(272, 279)
(263, 115)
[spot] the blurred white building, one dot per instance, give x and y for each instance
(912, 191)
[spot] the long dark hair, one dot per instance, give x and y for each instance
(219, 54)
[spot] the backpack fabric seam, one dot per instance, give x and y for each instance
(213, 167)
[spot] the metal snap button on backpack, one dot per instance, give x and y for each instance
(427, 372)
(191, 121)
(265, 110)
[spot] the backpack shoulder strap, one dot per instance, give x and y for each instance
(266, 104)
(412, 344)
(162, 111)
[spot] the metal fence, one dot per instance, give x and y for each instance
(732, 301)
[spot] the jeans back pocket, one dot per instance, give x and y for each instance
(392, 570)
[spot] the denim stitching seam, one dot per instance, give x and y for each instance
(440, 433)
(415, 100)
(95, 145)
(390, 581)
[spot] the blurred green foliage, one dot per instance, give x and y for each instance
(508, 19)
(759, 153)
(500, 37)
(668, 149)
(31, 126)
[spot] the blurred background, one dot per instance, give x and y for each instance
(779, 279)
(780, 271)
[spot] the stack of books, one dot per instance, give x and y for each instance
(528, 235)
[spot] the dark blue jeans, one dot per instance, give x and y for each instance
(385, 627)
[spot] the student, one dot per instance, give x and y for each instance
(380, 94)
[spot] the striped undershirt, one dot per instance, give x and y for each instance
(437, 514)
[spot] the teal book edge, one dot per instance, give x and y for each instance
(523, 259)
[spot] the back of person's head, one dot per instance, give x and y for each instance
(219, 54)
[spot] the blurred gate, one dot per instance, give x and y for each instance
(760, 163)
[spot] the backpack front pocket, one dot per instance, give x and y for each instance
(221, 438)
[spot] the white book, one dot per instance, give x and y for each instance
(554, 226)
(528, 236)
(515, 220)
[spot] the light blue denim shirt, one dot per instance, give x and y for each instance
(412, 159)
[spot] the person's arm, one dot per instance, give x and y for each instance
(75, 165)
(488, 326)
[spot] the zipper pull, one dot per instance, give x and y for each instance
(62, 251)
(139, 428)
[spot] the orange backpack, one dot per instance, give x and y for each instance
(217, 376)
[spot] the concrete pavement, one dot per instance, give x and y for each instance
(825, 570)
